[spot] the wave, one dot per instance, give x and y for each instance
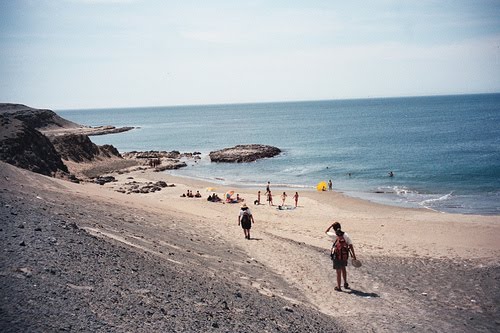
(434, 200)
(299, 171)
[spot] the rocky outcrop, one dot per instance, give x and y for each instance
(26, 142)
(25, 147)
(161, 160)
(50, 124)
(103, 130)
(79, 148)
(244, 153)
(151, 154)
(143, 188)
(144, 155)
(39, 119)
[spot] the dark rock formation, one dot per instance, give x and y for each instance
(79, 148)
(244, 153)
(35, 118)
(161, 160)
(28, 141)
(170, 165)
(144, 188)
(174, 154)
(25, 147)
(104, 179)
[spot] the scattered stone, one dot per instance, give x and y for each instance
(144, 188)
(26, 271)
(105, 179)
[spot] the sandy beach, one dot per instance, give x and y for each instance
(423, 271)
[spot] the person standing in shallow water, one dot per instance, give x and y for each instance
(245, 219)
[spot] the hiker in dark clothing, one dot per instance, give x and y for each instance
(245, 219)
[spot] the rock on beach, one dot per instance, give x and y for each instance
(244, 153)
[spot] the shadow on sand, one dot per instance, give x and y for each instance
(362, 293)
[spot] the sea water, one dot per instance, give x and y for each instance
(444, 151)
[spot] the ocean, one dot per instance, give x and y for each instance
(444, 151)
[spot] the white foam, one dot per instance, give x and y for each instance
(441, 198)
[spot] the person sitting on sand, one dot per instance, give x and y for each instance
(238, 198)
(340, 253)
(197, 195)
(245, 219)
(230, 199)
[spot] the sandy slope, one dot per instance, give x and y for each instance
(423, 271)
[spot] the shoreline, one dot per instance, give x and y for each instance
(385, 198)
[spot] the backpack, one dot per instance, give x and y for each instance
(340, 249)
(245, 218)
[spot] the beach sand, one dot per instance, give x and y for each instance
(423, 271)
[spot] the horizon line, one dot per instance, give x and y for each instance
(270, 102)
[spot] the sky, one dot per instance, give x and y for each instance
(72, 54)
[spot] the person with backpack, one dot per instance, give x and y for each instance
(339, 253)
(245, 219)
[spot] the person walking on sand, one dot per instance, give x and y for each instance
(283, 198)
(270, 198)
(296, 198)
(330, 185)
(340, 253)
(268, 188)
(245, 219)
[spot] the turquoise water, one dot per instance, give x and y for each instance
(444, 150)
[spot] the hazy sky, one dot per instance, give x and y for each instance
(62, 54)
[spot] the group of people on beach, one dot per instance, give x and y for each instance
(214, 198)
(269, 197)
(342, 247)
(189, 194)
